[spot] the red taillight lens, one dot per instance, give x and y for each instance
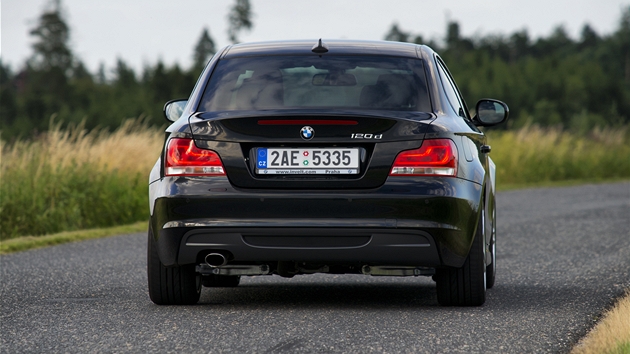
(184, 158)
(437, 157)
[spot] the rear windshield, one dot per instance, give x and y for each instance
(285, 82)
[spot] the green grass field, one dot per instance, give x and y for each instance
(544, 155)
(70, 180)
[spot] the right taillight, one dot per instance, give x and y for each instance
(436, 157)
(184, 158)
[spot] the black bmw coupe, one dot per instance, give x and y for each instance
(340, 157)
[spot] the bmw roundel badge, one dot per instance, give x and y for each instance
(307, 133)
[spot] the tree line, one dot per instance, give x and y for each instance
(54, 83)
(549, 81)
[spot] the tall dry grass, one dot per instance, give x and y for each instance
(132, 148)
(612, 333)
(69, 179)
(533, 155)
(72, 179)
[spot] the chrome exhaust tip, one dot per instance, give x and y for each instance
(215, 260)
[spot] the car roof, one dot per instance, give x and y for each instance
(335, 47)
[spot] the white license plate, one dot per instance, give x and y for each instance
(340, 161)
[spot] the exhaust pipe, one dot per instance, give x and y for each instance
(215, 260)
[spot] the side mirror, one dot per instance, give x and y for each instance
(173, 109)
(490, 112)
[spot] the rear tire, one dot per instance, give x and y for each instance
(178, 285)
(465, 286)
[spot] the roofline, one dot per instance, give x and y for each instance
(335, 47)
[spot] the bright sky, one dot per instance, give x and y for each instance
(143, 31)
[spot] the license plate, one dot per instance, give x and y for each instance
(339, 161)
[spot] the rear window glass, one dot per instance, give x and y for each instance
(290, 82)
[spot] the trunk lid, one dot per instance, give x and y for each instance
(373, 140)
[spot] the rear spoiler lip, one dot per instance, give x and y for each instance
(386, 114)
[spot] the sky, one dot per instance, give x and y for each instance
(141, 32)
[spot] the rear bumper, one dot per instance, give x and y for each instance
(416, 221)
(332, 245)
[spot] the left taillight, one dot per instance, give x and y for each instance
(184, 158)
(436, 157)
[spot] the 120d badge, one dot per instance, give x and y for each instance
(366, 136)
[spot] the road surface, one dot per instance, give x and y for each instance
(563, 256)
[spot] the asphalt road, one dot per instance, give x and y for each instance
(564, 255)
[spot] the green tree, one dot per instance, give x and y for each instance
(239, 18)
(455, 43)
(622, 39)
(204, 50)
(52, 36)
(519, 45)
(396, 34)
(8, 104)
(125, 76)
(43, 85)
(589, 38)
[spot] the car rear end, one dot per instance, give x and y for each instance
(305, 159)
(296, 164)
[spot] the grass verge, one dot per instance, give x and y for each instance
(29, 242)
(558, 184)
(612, 334)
